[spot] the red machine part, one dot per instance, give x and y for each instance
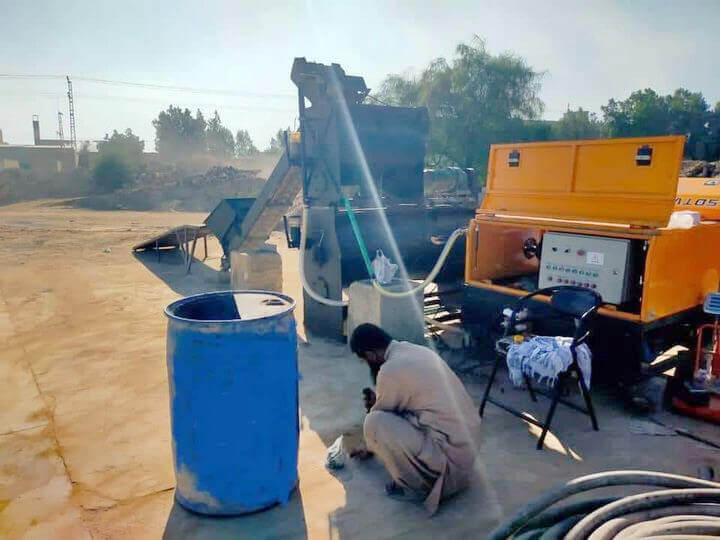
(711, 411)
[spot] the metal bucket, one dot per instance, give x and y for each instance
(232, 370)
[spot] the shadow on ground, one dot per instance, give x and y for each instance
(286, 521)
(169, 266)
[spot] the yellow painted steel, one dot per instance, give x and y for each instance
(700, 195)
(682, 266)
(596, 180)
(597, 188)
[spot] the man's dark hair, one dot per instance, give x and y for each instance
(368, 337)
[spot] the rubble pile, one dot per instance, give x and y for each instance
(171, 189)
(700, 169)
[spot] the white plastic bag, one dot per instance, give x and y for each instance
(684, 219)
(335, 457)
(384, 270)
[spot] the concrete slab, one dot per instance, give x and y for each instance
(35, 489)
(86, 446)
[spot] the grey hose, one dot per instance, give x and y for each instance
(681, 537)
(616, 528)
(643, 501)
(592, 481)
(530, 535)
(553, 515)
(696, 526)
(558, 531)
(687, 524)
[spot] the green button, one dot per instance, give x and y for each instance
(574, 270)
(567, 270)
(595, 274)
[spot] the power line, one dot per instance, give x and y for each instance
(53, 95)
(151, 86)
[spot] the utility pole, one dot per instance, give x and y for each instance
(60, 134)
(71, 107)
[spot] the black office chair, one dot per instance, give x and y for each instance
(575, 304)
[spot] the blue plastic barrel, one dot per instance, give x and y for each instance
(232, 369)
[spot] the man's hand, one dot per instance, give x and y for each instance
(369, 398)
(361, 453)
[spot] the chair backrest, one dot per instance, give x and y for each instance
(574, 301)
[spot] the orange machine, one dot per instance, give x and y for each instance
(594, 213)
(700, 195)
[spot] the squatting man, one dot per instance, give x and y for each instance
(421, 424)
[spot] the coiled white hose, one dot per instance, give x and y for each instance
(457, 233)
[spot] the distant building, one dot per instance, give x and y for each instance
(41, 161)
(44, 159)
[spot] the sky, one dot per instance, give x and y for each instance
(235, 56)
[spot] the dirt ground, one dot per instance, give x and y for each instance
(84, 426)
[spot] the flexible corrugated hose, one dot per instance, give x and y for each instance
(688, 508)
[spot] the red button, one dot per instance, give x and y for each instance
(581, 252)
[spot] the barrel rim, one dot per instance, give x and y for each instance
(176, 303)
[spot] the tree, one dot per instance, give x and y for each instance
(474, 100)
(690, 115)
(643, 113)
(399, 91)
(277, 143)
(682, 112)
(244, 145)
(125, 146)
(220, 141)
(119, 159)
(578, 124)
(178, 134)
(111, 173)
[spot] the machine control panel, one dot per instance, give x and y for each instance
(598, 263)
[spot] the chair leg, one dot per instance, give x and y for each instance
(528, 383)
(490, 383)
(548, 420)
(588, 400)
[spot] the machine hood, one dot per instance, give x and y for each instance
(631, 181)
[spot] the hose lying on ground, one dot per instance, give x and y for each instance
(690, 508)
